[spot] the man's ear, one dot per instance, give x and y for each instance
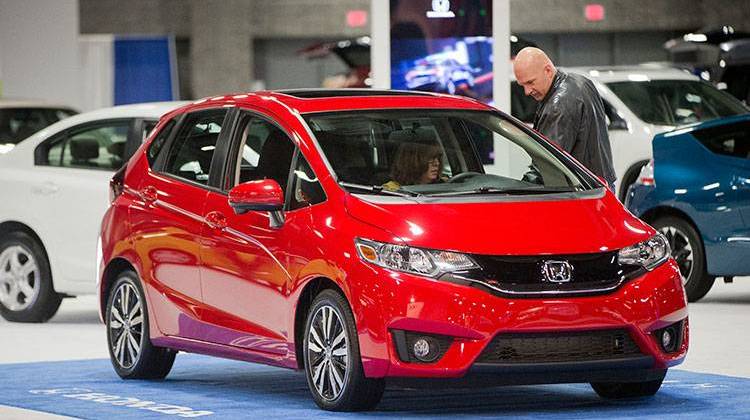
(549, 70)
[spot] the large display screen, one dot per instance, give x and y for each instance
(443, 46)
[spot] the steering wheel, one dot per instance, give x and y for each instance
(463, 176)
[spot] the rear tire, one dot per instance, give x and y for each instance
(130, 349)
(617, 390)
(333, 365)
(26, 291)
(687, 250)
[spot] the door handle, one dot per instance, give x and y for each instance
(216, 220)
(149, 194)
(46, 188)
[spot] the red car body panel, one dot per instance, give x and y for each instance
(232, 290)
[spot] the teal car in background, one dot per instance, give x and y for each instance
(696, 190)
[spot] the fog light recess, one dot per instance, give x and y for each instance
(670, 337)
(414, 347)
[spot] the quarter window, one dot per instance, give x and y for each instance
(306, 189)
(729, 140)
(158, 143)
(193, 149)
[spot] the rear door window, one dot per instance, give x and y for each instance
(192, 150)
(101, 146)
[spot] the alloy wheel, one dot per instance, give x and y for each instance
(126, 325)
(328, 353)
(19, 278)
(682, 251)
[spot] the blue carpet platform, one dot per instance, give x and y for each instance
(204, 387)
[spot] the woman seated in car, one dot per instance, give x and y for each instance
(416, 163)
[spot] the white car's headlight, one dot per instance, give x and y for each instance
(648, 254)
(424, 262)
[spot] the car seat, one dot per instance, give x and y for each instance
(84, 151)
(276, 158)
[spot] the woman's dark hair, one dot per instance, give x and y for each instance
(412, 161)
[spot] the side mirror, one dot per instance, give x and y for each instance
(260, 195)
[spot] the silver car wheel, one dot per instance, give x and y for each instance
(328, 353)
(682, 252)
(125, 325)
(19, 278)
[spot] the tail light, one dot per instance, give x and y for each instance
(117, 184)
(646, 177)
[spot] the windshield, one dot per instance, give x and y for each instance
(676, 102)
(18, 123)
(434, 152)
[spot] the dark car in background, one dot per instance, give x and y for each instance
(720, 55)
(696, 191)
(20, 118)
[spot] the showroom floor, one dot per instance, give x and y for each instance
(719, 343)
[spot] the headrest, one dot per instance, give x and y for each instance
(413, 135)
(84, 148)
(117, 149)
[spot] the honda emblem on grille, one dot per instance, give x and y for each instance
(557, 271)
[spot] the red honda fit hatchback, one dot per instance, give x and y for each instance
(355, 235)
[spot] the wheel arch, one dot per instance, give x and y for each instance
(306, 297)
(629, 177)
(652, 214)
(8, 227)
(114, 268)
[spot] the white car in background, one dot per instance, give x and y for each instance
(640, 102)
(55, 189)
(21, 118)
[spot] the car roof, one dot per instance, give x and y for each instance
(636, 73)
(716, 122)
(31, 103)
(328, 100)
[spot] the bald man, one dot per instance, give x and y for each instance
(570, 111)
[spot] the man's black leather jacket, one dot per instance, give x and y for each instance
(572, 115)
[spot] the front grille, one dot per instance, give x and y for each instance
(560, 347)
(523, 276)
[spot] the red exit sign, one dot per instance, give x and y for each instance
(594, 12)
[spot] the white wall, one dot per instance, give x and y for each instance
(39, 50)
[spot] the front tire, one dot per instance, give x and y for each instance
(618, 390)
(26, 291)
(687, 250)
(130, 349)
(333, 365)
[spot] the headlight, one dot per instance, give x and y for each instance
(424, 262)
(648, 254)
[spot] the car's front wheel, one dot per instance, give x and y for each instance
(688, 252)
(616, 390)
(332, 361)
(26, 292)
(130, 349)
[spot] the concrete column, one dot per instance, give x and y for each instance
(221, 49)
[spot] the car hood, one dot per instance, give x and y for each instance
(511, 227)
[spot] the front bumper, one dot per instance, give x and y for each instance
(473, 318)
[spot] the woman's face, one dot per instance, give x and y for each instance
(433, 170)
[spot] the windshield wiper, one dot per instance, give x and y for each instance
(378, 189)
(507, 191)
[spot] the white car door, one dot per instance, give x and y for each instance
(69, 195)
